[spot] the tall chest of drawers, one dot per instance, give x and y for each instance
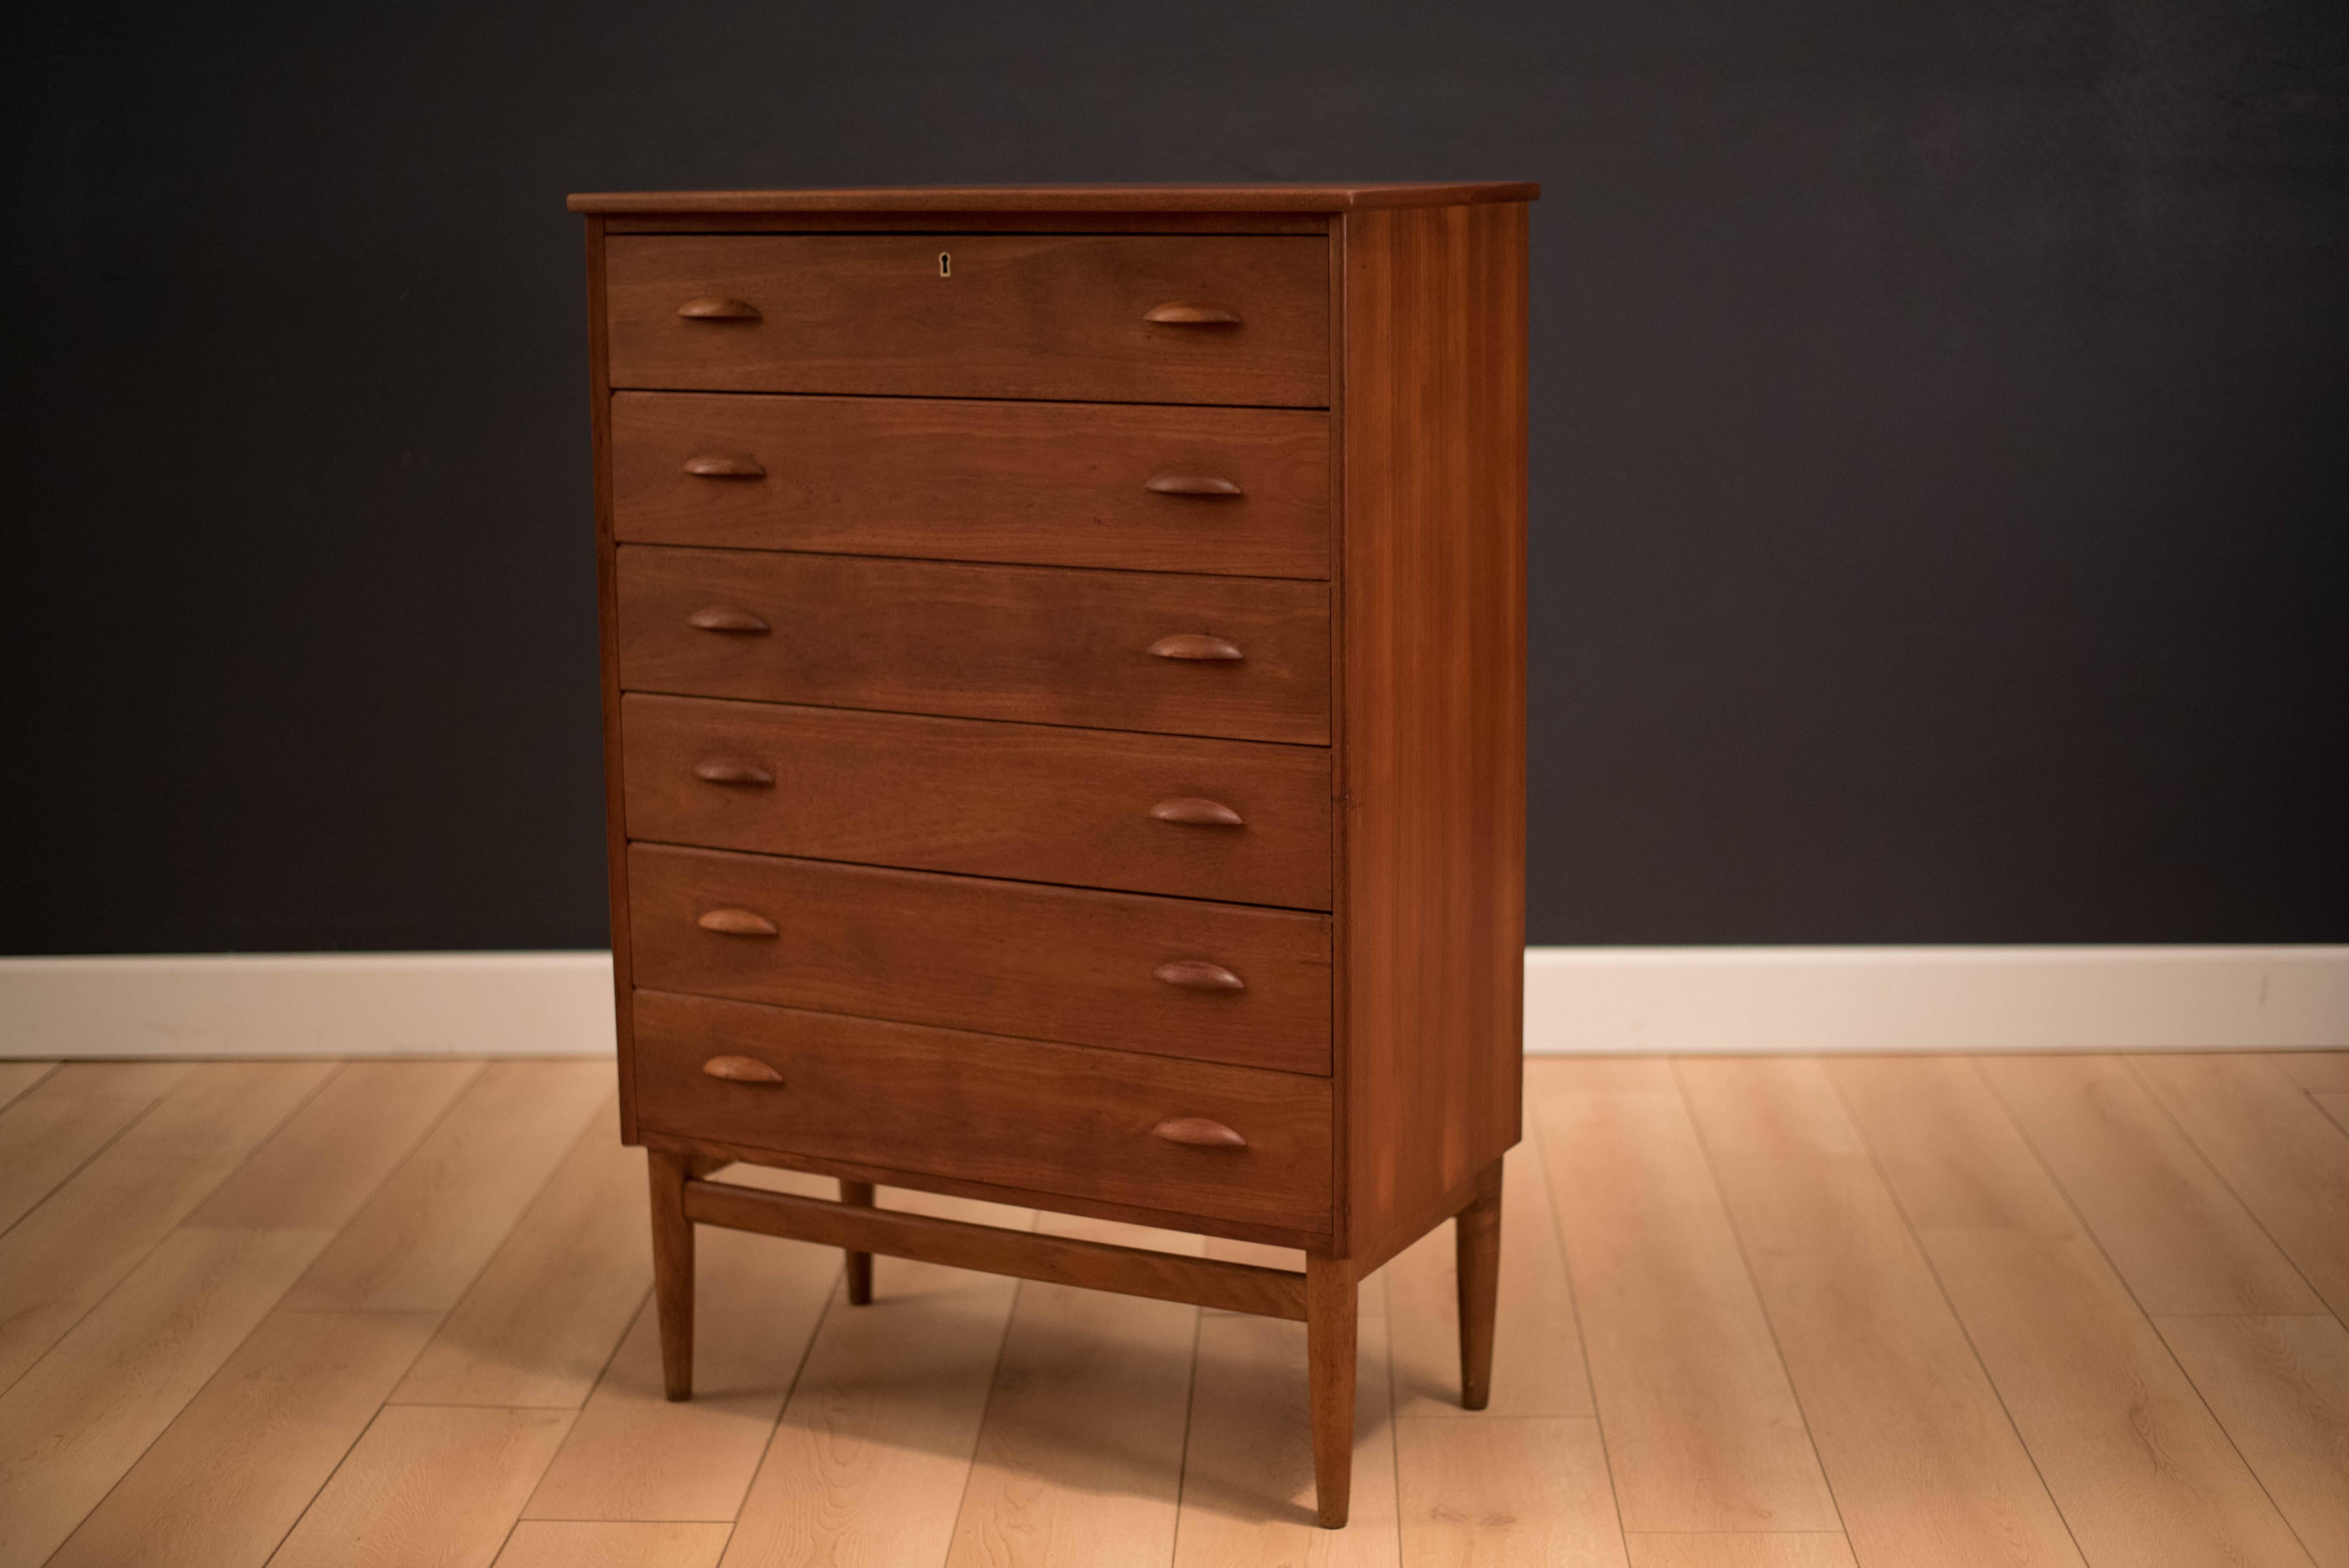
(1062, 656)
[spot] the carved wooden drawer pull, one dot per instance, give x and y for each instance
(1198, 1132)
(1193, 812)
(1193, 312)
(737, 923)
(718, 618)
(1197, 974)
(741, 1070)
(713, 307)
(726, 771)
(724, 465)
(1195, 644)
(1172, 483)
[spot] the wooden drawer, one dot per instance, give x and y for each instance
(1012, 1112)
(1071, 484)
(1117, 970)
(1041, 644)
(1100, 808)
(1008, 315)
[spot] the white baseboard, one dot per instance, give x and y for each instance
(1786, 999)
(1578, 1000)
(308, 1005)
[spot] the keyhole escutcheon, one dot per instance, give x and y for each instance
(945, 264)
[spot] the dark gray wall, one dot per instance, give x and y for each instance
(1940, 411)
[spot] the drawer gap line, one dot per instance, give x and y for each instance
(966, 397)
(636, 542)
(920, 713)
(1122, 891)
(760, 552)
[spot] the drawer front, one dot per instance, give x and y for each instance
(1172, 977)
(1237, 491)
(1005, 316)
(1014, 1113)
(1098, 808)
(1038, 644)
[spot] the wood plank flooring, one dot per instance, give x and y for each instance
(1757, 1313)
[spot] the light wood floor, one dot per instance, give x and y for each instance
(1781, 1313)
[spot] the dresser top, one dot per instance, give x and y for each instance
(1062, 198)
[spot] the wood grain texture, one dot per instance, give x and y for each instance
(1080, 1459)
(1019, 1114)
(243, 1456)
(1806, 1550)
(1476, 1267)
(1433, 645)
(334, 1152)
(1426, 381)
(1037, 644)
(15, 1077)
(2162, 1215)
(1274, 1236)
(870, 1460)
(634, 1455)
(1331, 1334)
(1369, 1296)
(1935, 1163)
(1701, 1421)
(856, 1267)
(62, 1258)
(549, 1543)
(73, 1425)
(1028, 317)
(2315, 1070)
(674, 1267)
(229, 1476)
(49, 1130)
(607, 631)
(1262, 1255)
(1248, 1470)
(2277, 1149)
(2131, 1454)
(418, 1242)
(1049, 484)
(425, 1485)
(1538, 1366)
(1523, 1492)
(2128, 1450)
(1926, 1465)
(1254, 197)
(972, 223)
(1016, 1114)
(2279, 1385)
(1009, 958)
(1029, 801)
(539, 1325)
(1130, 1270)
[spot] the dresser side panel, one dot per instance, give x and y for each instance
(1433, 633)
(615, 827)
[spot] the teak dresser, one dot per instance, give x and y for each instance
(1063, 690)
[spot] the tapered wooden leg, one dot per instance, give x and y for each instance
(859, 1264)
(1330, 1302)
(1476, 1237)
(673, 1269)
